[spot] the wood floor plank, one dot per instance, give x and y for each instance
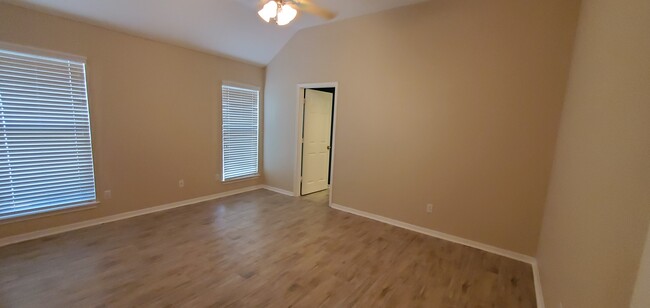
(256, 249)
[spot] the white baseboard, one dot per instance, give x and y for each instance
(456, 239)
(98, 221)
(438, 234)
(278, 190)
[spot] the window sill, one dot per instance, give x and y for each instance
(241, 179)
(67, 209)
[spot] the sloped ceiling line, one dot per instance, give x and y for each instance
(229, 28)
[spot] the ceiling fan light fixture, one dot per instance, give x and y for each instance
(269, 11)
(282, 12)
(285, 15)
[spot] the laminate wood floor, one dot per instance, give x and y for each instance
(257, 249)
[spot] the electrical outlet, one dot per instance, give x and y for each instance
(561, 305)
(217, 177)
(181, 183)
(429, 208)
(107, 194)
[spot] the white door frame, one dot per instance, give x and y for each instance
(299, 119)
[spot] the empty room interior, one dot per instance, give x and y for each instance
(325, 153)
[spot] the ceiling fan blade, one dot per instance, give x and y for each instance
(311, 8)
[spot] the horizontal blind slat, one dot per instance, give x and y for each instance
(19, 212)
(31, 193)
(30, 70)
(14, 176)
(16, 56)
(4, 181)
(61, 198)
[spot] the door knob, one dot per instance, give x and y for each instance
(328, 147)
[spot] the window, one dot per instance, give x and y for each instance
(240, 117)
(46, 159)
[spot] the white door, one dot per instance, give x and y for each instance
(317, 125)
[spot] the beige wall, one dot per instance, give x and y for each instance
(155, 113)
(454, 103)
(598, 206)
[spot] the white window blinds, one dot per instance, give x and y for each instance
(240, 115)
(46, 159)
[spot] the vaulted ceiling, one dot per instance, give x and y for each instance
(225, 27)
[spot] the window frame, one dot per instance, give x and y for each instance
(223, 160)
(66, 207)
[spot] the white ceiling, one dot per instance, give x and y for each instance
(225, 27)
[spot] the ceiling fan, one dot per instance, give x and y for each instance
(283, 12)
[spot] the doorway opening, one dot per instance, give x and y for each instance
(316, 135)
